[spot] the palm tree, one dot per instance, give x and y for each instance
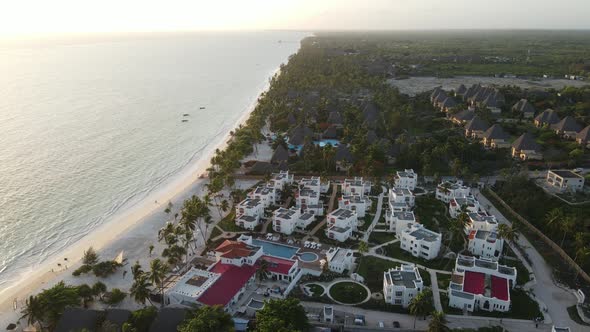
(567, 226)
(34, 310)
(158, 271)
(363, 247)
(421, 305)
(507, 233)
(437, 324)
(224, 205)
(553, 218)
(141, 289)
(262, 271)
(136, 270)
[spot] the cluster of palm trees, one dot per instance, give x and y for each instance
(145, 282)
(559, 222)
(422, 305)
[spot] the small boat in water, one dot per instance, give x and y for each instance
(186, 114)
(202, 107)
(184, 120)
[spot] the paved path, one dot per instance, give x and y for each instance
(553, 297)
(330, 209)
(377, 215)
(435, 293)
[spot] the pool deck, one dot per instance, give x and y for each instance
(321, 253)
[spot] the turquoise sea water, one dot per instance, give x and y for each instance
(91, 126)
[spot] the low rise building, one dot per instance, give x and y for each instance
(308, 200)
(356, 186)
(342, 218)
(248, 213)
(481, 284)
(420, 242)
(340, 259)
(401, 199)
(476, 128)
(266, 194)
(448, 190)
(406, 179)
(459, 204)
(525, 148)
(583, 137)
(356, 203)
(285, 220)
(481, 221)
(568, 127)
(402, 284)
(548, 117)
(565, 180)
(485, 244)
(280, 180)
(247, 222)
(495, 137)
(340, 234)
(401, 220)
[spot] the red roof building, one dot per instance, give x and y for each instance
(500, 288)
(474, 282)
(235, 249)
(279, 265)
(233, 279)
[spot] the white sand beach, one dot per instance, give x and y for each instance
(131, 232)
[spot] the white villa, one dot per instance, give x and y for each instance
(481, 221)
(457, 204)
(448, 190)
(420, 242)
(340, 234)
(308, 200)
(402, 284)
(355, 202)
(565, 180)
(485, 244)
(399, 221)
(341, 223)
(340, 259)
(248, 213)
(266, 194)
(481, 284)
(247, 222)
(406, 179)
(356, 186)
(401, 199)
(280, 180)
(285, 220)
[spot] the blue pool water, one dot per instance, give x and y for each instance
(324, 142)
(308, 257)
(274, 249)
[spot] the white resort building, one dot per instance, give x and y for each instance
(399, 221)
(341, 223)
(248, 213)
(447, 190)
(420, 242)
(401, 199)
(356, 186)
(402, 284)
(266, 194)
(565, 180)
(307, 198)
(285, 220)
(340, 259)
(355, 202)
(481, 284)
(406, 179)
(280, 180)
(485, 244)
(458, 204)
(481, 221)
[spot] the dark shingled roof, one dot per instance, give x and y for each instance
(343, 154)
(335, 118)
(584, 135)
(440, 97)
(495, 132)
(76, 319)
(476, 123)
(434, 93)
(526, 142)
(567, 124)
(281, 154)
(261, 168)
(523, 106)
(548, 116)
(330, 132)
(449, 102)
(298, 134)
(465, 115)
(168, 320)
(370, 114)
(291, 119)
(371, 137)
(461, 90)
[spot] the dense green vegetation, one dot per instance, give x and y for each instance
(348, 292)
(282, 315)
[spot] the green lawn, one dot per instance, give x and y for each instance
(228, 223)
(443, 280)
(428, 208)
(372, 268)
(316, 289)
(348, 292)
(381, 237)
(573, 313)
(215, 233)
(393, 250)
(425, 277)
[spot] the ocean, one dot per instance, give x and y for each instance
(90, 126)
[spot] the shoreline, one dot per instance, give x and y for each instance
(186, 182)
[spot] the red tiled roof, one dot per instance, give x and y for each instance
(500, 288)
(474, 282)
(472, 235)
(232, 279)
(278, 265)
(234, 249)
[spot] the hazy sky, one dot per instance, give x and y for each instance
(55, 16)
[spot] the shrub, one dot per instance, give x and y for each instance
(81, 270)
(114, 296)
(106, 268)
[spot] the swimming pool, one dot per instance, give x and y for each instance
(324, 142)
(274, 249)
(308, 257)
